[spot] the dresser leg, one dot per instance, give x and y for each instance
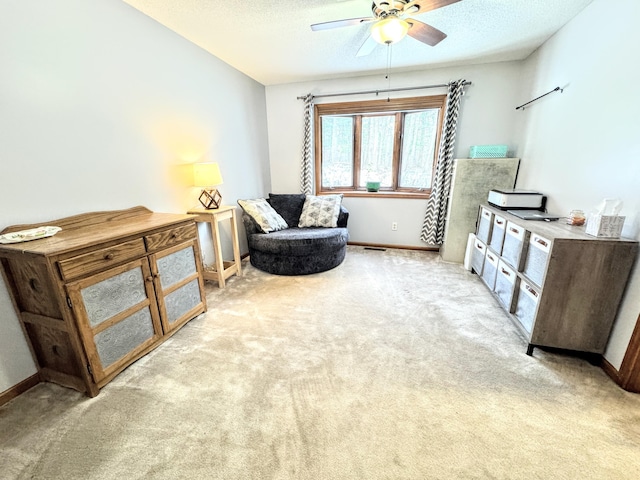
(530, 348)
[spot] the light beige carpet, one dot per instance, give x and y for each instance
(394, 365)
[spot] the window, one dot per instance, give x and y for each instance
(391, 142)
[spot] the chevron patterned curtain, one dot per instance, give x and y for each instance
(433, 225)
(306, 172)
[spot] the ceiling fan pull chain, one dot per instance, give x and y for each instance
(388, 72)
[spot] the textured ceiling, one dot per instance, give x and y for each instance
(272, 42)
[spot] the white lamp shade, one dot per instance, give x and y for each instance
(389, 30)
(206, 174)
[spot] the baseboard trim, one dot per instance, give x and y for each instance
(611, 371)
(19, 388)
(378, 245)
(401, 247)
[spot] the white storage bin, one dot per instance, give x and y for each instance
(526, 305)
(513, 245)
(506, 282)
(497, 234)
(490, 268)
(484, 226)
(477, 257)
(536, 261)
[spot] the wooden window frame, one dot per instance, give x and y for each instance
(399, 107)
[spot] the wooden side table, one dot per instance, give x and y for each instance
(221, 270)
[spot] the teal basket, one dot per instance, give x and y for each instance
(488, 151)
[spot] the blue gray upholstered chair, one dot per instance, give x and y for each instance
(296, 251)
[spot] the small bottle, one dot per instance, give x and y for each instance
(576, 218)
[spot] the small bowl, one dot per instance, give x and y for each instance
(373, 186)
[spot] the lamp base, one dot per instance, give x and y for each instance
(210, 199)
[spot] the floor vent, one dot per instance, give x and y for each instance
(376, 249)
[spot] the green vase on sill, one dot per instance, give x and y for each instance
(373, 186)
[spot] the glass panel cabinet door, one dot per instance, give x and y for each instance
(179, 288)
(117, 315)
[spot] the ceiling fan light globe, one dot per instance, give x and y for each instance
(389, 30)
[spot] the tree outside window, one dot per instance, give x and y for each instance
(391, 142)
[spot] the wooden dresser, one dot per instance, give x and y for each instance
(104, 291)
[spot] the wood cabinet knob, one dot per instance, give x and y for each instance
(109, 256)
(149, 278)
(34, 284)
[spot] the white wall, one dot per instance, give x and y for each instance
(99, 108)
(583, 145)
(487, 116)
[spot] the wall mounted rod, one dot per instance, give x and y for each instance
(538, 98)
(381, 91)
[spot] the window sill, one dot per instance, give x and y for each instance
(380, 194)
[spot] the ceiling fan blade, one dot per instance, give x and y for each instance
(425, 33)
(340, 23)
(422, 6)
(367, 47)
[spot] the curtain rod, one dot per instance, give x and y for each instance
(381, 91)
(538, 98)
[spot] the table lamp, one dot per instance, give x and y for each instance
(207, 176)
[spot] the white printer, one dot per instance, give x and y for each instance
(514, 199)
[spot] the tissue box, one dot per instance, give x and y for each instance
(607, 226)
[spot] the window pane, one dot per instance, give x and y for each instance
(418, 148)
(337, 151)
(376, 161)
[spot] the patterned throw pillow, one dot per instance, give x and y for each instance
(264, 215)
(320, 211)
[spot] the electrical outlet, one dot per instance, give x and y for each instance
(394, 226)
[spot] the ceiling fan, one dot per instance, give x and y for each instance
(393, 20)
